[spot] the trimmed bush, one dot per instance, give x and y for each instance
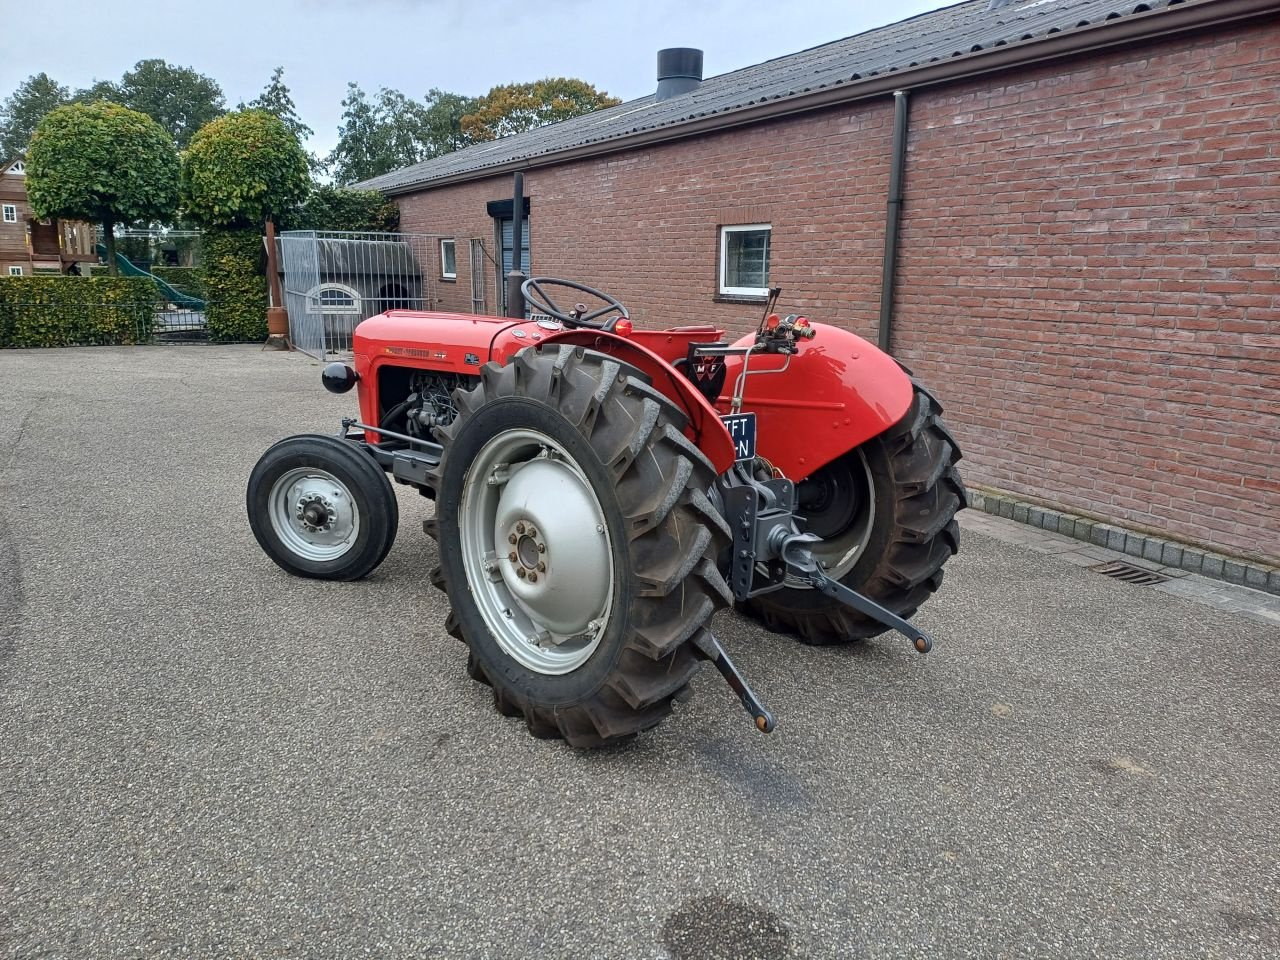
(183, 279)
(75, 311)
(235, 286)
(336, 208)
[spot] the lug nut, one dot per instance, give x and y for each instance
(533, 577)
(512, 556)
(520, 528)
(520, 572)
(542, 548)
(511, 539)
(542, 567)
(532, 532)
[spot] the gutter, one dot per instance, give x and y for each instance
(1142, 27)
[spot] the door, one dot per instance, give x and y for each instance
(505, 231)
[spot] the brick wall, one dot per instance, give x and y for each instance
(1089, 272)
(1088, 275)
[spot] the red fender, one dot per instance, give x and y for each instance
(838, 392)
(705, 428)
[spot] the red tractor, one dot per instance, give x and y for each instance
(601, 491)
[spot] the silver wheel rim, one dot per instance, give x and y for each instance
(838, 555)
(313, 514)
(536, 551)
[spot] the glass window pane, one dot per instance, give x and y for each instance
(747, 259)
(448, 257)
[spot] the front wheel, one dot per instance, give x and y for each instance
(321, 508)
(886, 513)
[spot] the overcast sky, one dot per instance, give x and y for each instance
(414, 45)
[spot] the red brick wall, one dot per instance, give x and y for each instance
(645, 225)
(1088, 275)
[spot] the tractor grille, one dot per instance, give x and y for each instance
(1119, 570)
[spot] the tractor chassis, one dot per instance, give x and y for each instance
(766, 537)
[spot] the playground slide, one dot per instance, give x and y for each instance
(170, 293)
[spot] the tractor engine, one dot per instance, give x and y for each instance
(415, 401)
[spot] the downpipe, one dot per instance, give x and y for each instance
(893, 216)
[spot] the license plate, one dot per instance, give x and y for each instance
(742, 430)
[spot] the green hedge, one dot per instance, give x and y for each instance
(74, 311)
(183, 279)
(235, 284)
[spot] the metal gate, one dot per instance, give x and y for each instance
(332, 281)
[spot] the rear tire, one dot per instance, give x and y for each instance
(917, 492)
(580, 450)
(321, 508)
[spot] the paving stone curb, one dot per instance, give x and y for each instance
(1168, 553)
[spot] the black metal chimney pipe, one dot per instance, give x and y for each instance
(679, 71)
(517, 276)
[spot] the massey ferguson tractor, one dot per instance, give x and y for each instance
(601, 491)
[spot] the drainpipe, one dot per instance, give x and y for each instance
(893, 215)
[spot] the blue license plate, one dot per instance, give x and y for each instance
(742, 430)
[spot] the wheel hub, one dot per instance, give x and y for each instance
(537, 551)
(314, 513)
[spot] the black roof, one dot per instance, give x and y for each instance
(962, 30)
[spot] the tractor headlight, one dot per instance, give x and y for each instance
(338, 377)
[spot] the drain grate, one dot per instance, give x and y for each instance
(1119, 570)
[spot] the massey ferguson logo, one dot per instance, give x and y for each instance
(705, 369)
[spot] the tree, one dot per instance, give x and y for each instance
(378, 136)
(517, 107)
(101, 90)
(442, 121)
(276, 100)
(105, 163)
(22, 112)
(241, 169)
(179, 99)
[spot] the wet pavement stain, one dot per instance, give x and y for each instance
(717, 928)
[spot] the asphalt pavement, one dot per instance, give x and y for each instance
(201, 756)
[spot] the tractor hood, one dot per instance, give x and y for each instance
(459, 342)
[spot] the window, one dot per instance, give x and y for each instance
(15, 271)
(19, 169)
(744, 260)
(333, 298)
(448, 259)
(10, 213)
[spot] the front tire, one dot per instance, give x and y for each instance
(904, 492)
(577, 545)
(321, 508)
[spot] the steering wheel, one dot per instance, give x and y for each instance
(579, 316)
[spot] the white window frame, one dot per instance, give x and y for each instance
(10, 212)
(19, 169)
(725, 231)
(444, 272)
(315, 306)
(15, 271)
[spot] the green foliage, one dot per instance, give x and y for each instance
(72, 311)
(441, 131)
(376, 137)
(338, 208)
(186, 280)
(179, 99)
(242, 169)
(22, 112)
(517, 107)
(276, 100)
(102, 162)
(235, 285)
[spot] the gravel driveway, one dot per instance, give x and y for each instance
(201, 756)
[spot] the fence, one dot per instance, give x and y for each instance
(333, 280)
